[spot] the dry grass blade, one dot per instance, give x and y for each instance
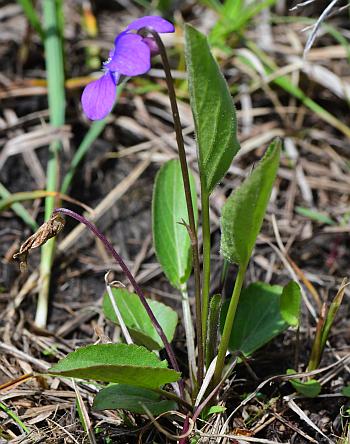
(15, 382)
(293, 406)
(317, 25)
(33, 140)
(84, 416)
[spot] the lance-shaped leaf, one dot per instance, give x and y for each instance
(121, 363)
(244, 210)
(170, 237)
(127, 397)
(137, 320)
(213, 111)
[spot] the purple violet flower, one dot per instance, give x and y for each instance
(130, 57)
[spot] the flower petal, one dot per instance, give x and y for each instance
(98, 97)
(152, 21)
(131, 56)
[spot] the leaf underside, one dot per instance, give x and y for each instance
(133, 399)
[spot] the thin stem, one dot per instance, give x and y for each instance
(56, 99)
(117, 313)
(228, 325)
(188, 325)
(108, 246)
(187, 188)
(206, 263)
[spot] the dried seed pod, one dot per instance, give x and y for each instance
(47, 230)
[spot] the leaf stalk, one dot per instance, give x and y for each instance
(229, 324)
(206, 263)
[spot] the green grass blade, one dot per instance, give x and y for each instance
(13, 416)
(19, 209)
(332, 312)
(89, 138)
(314, 215)
(32, 17)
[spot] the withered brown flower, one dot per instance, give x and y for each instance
(45, 232)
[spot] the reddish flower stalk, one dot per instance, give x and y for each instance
(109, 247)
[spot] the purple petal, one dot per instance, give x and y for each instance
(152, 21)
(98, 97)
(131, 56)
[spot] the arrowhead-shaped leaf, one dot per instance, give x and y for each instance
(170, 237)
(137, 320)
(258, 318)
(127, 397)
(213, 111)
(244, 210)
(121, 363)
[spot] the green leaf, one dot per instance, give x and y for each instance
(235, 16)
(244, 210)
(121, 363)
(19, 209)
(310, 388)
(345, 391)
(314, 215)
(127, 397)
(32, 17)
(290, 303)
(171, 239)
(137, 320)
(213, 111)
(258, 318)
(216, 409)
